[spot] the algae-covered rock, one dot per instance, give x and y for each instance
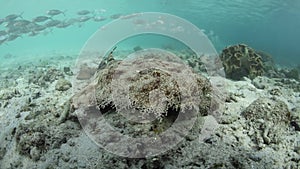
(6, 94)
(268, 119)
(39, 136)
(43, 77)
(241, 61)
(63, 85)
(42, 130)
(295, 119)
(68, 71)
(144, 83)
(85, 72)
(291, 73)
(2, 152)
(154, 95)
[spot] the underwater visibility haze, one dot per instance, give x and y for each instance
(271, 26)
(149, 84)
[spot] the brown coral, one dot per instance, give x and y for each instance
(241, 61)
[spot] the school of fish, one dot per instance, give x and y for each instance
(14, 26)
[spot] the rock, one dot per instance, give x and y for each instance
(68, 71)
(137, 48)
(17, 163)
(43, 134)
(85, 73)
(36, 95)
(81, 164)
(268, 118)
(66, 157)
(63, 85)
(44, 76)
(18, 115)
(297, 147)
(291, 83)
(295, 119)
(275, 92)
(263, 82)
(71, 143)
(152, 94)
(66, 111)
(32, 115)
(143, 83)
(259, 83)
(5, 104)
(35, 154)
(53, 74)
(292, 74)
(9, 93)
(2, 152)
(255, 157)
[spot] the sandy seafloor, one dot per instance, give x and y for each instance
(33, 135)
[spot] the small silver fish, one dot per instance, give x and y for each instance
(33, 33)
(21, 23)
(84, 18)
(2, 21)
(63, 24)
(72, 20)
(100, 10)
(38, 28)
(83, 12)
(23, 30)
(46, 32)
(115, 16)
(12, 17)
(52, 23)
(10, 24)
(2, 33)
(41, 18)
(54, 12)
(139, 22)
(129, 16)
(99, 18)
(3, 37)
(13, 37)
(32, 25)
(2, 41)
(11, 30)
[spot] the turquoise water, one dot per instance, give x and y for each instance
(44, 74)
(271, 26)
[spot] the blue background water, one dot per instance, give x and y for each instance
(271, 26)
